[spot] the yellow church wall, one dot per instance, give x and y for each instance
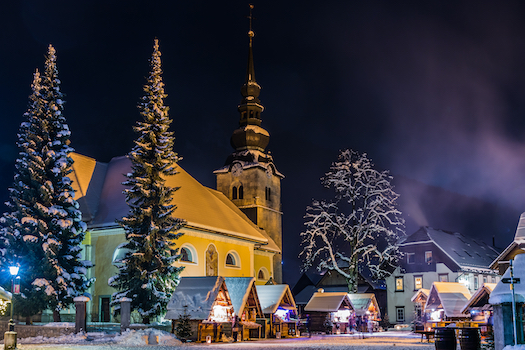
(263, 260)
(105, 242)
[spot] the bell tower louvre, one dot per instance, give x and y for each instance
(249, 177)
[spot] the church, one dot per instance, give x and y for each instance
(234, 230)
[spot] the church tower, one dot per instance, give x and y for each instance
(249, 177)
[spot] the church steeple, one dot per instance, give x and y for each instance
(249, 177)
(250, 135)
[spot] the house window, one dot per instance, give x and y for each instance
(119, 254)
(400, 314)
(475, 282)
(411, 258)
(493, 279)
(399, 284)
(428, 257)
(418, 282)
(485, 279)
(443, 277)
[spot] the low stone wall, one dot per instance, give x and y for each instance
(25, 331)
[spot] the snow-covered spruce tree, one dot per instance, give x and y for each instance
(147, 274)
(359, 227)
(45, 227)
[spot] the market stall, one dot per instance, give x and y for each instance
(367, 311)
(479, 309)
(246, 306)
(207, 302)
(445, 303)
(330, 312)
(278, 307)
(420, 299)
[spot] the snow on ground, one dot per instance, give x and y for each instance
(514, 347)
(166, 341)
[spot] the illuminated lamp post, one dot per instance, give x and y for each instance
(10, 335)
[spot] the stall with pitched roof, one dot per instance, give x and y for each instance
(330, 311)
(278, 307)
(366, 310)
(445, 302)
(207, 302)
(246, 306)
(420, 299)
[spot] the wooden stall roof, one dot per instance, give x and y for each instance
(421, 295)
(329, 302)
(199, 294)
(481, 296)
(242, 292)
(449, 296)
(273, 296)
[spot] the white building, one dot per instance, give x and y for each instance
(432, 255)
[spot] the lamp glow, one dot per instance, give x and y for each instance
(13, 270)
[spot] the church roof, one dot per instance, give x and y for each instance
(202, 208)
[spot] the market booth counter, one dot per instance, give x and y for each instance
(278, 307)
(246, 306)
(330, 312)
(480, 310)
(207, 302)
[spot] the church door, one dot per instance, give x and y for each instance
(211, 261)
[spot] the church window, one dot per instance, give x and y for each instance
(262, 274)
(188, 253)
(185, 255)
(234, 192)
(251, 114)
(232, 259)
(268, 194)
(243, 115)
(241, 192)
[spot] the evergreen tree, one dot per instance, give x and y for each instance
(44, 228)
(183, 328)
(359, 227)
(147, 274)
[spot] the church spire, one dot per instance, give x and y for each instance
(250, 108)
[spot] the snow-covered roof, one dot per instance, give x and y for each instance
(87, 179)
(5, 295)
(202, 208)
(361, 303)
(502, 293)
(480, 296)
(449, 296)
(517, 246)
(273, 296)
(468, 253)
(240, 290)
(421, 294)
(198, 294)
(329, 302)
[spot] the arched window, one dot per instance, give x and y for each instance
(232, 259)
(262, 275)
(234, 192)
(185, 254)
(188, 254)
(241, 192)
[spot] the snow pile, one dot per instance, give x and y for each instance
(502, 293)
(514, 347)
(127, 338)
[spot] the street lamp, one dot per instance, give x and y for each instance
(15, 289)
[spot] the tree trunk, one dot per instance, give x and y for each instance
(56, 316)
(29, 320)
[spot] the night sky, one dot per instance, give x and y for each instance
(431, 90)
